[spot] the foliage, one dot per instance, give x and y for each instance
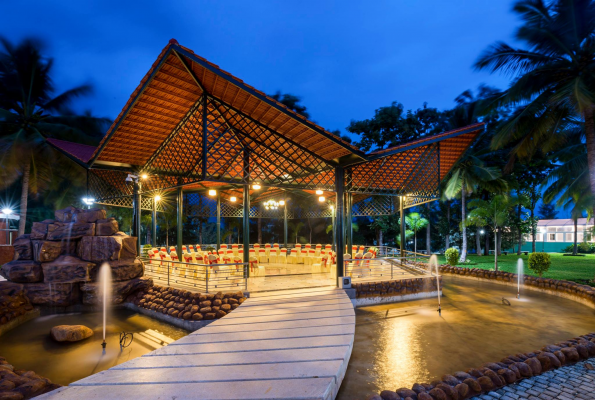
(415, 222)
(452, 256)
(539, 263)
(292, 102)
(583, 247)
(547, 211)
(146, 249)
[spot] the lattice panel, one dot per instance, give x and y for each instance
(397, 174)
(376, 205)
(126, 202)
(105, 184)
(273, 159)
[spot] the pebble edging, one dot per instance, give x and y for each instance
(187, 305)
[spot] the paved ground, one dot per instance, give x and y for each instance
(566, 383)
(292, 344)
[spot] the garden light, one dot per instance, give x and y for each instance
(7, 211)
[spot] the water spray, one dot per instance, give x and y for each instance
(519, 272)
(434, 261)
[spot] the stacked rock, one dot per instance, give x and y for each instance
(60, 259)
(187, 305)
(396, 287)
(17, 384)
(492, 376)
(13, 302)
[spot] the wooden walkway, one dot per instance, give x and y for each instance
(292, 344)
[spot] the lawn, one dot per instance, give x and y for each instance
(578, 269)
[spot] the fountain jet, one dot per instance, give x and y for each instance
(434, 263)
(105, 288)
(519, 272)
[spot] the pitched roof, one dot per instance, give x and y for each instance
(79, 151)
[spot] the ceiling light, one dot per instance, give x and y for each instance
(321, 199)
(233, 199)
(157, 198)
(319, 192)
(212, 192)
(144, 176)
(256, 186)
(282, 202)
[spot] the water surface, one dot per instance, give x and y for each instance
(399, 344)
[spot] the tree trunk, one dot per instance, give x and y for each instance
(499, 244)
(428, 236)
(463, 256)
(24, 198)
(259, 230)
(575, 249)
(533, 226)
(520, 233)
(200, 231)
(487, 242)
(478, 241)
(590, 136)
(448, 225)
(496, 248)
(415, 241)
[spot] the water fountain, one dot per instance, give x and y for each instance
(434, 263)
(519, 272)
(105, 291)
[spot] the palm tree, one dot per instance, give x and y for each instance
(30, 113)
(493, 212)
(415, 222)
(568, 182)
(554, 77)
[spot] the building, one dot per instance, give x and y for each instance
(553, 235)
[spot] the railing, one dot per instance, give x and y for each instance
(362, 269)
(10, 234)
(203, 277)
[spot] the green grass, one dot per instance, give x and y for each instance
(578, 269)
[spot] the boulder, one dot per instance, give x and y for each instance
(106, 227)
(86, 216)
(39, 230)
(99, 248)
(23, 248)
(52, 294)
(70, 333)
(121, 290)
(122, 270)
(22, 271)
(66, 214)
(73, 230)
(67, 269)
(46, 251)
(128, 246)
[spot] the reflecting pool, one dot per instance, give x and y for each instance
(30, 347)
(399, 344)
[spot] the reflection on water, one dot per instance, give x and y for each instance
(30, 347)
(399, 344)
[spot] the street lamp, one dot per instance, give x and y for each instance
(7, 211)
(88, 201)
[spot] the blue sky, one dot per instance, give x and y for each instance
(344, 58)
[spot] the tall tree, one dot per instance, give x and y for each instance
(547, 211)
(30, 113)
(415, 222)
(292, 102)
(554, 76)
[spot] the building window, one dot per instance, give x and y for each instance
(570, 237)
(551, 237)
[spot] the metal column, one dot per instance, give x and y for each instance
(246, 220)
(218, 220)
(285, 224)
(401, 210)
(136, 210)
(333, 211)
(154, 222)
(340, 246)
(180, 214)
(349, 223)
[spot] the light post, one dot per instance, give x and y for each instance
(156, 199)
(543, 233)
(481, 232)
(7, 211)
(88, 201)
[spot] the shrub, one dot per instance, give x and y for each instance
(539, 263)
(146, 249)
(583, 247)
(452, 256)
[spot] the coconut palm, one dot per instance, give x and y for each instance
(554, 76)
(415, 222)
(493, 212)
(30, 113)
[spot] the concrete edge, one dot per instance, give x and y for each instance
(370, 301)
(190, 326)
(21, 319)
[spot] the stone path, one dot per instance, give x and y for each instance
(566, 383)
(292, 344)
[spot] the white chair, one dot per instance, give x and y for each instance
(318, 250)
(282, 256)
(234, 249)
(262, 256)
(292, 257)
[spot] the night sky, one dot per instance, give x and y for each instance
(344, 58)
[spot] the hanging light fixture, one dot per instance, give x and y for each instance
(282, 202)
(212, 192)
(144, 176)
(321, 199)
(233, 199)
(271, 205)
(256, 186)
(319, 192)
(157, 198)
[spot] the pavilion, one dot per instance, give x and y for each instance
(190, 127)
